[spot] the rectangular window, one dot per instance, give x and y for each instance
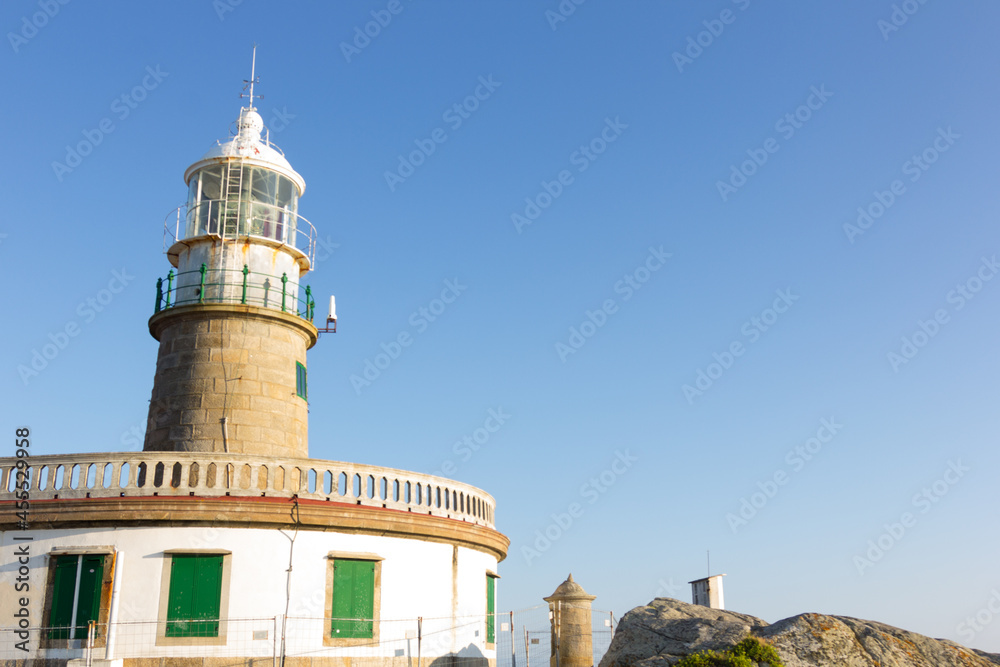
(195, 595)
(353, 608)
(491, 608)
(300, 381)
(76, 595)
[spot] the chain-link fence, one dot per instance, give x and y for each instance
(524, 638)
(603, 628)
(513, 639)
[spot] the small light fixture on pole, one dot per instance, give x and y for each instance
(331, 319)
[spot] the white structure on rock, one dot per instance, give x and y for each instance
(707, 592)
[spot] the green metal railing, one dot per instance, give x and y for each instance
(241, 286)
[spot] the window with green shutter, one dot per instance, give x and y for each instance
(491, 609)
(300, 381)
(353, 608)
(195, 595)
(76, 595)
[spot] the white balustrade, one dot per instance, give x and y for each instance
(214, 474)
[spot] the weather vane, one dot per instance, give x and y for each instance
(253, 79)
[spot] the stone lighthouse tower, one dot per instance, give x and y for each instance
(232, 318)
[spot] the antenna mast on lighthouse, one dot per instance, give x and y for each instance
(253, 79)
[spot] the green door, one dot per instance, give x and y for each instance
(353, 598)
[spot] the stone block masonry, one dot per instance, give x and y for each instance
(237, 362)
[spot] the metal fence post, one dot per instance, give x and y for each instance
(274, 644)
(513, 653)
(420, 637)
(281, 655)
(557, 628)
(91, 626)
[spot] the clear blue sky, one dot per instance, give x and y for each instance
(662, 131)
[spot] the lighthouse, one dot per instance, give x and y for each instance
(222, 542)
(232, 316)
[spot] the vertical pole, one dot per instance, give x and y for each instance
(76, 598)
(420, 637)
(281, 655)
(170, 286)
(159, 294)
(90, 642)
(527, 649)
(201, 287)
(284, 281)
(119, 563)
(274, 644)
(309, 303)
(557, 628)
(513, 653)
(246, 270)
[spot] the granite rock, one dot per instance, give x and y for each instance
(666, 630)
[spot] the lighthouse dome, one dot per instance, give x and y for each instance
(251, 148)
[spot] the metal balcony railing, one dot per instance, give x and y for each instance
(235, 219)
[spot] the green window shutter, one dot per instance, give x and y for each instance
(88, 606)
(208, 594)
(353, 598)
(180, 602)
(63, 590)
(300, 381)
(195, 595)
(491, 609)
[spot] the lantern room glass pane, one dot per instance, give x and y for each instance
(272, 204)
(204, 193)
(258, 202)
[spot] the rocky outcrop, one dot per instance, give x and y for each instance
(666, 630)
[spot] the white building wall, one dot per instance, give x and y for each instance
(418, 579)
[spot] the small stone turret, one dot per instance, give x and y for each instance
(572, 641)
